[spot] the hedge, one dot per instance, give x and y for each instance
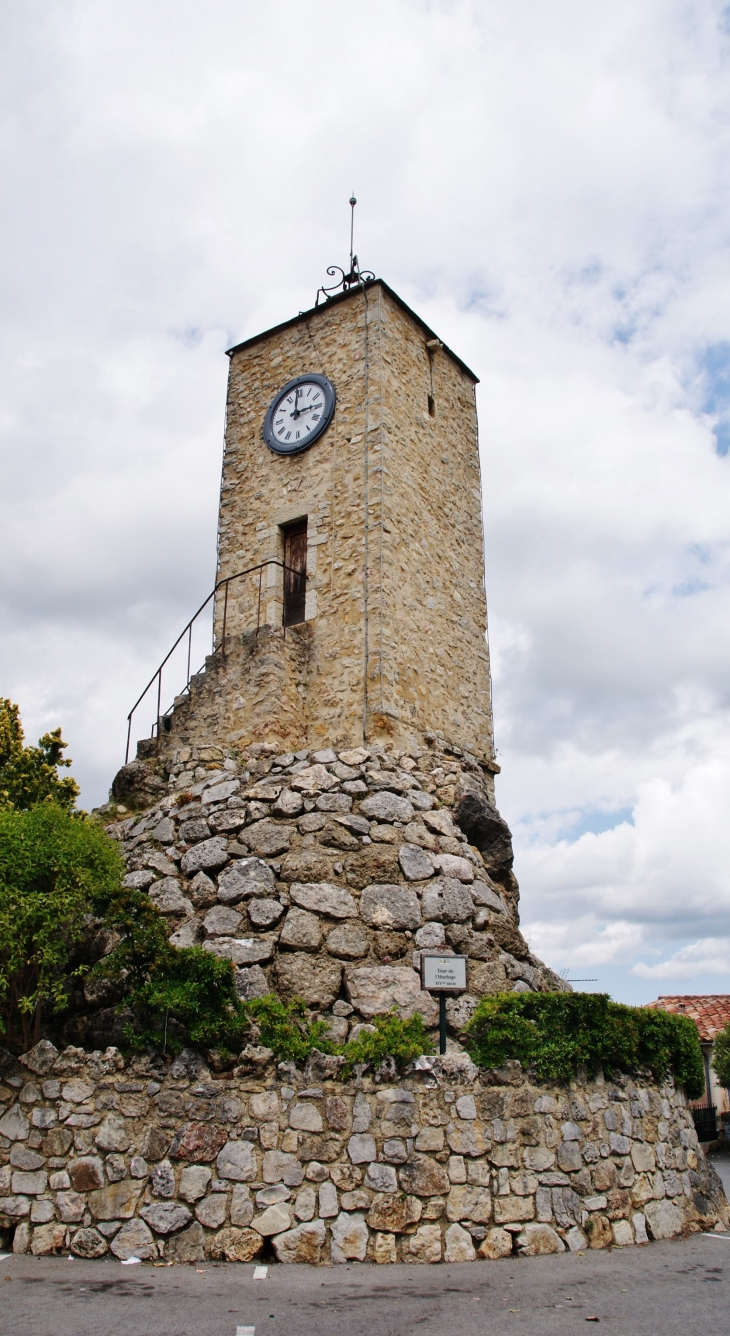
(555, 1033)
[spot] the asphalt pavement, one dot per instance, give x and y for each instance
(674, 1288)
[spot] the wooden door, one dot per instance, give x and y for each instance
(295, 572)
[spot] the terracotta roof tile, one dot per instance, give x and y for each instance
(711, 1012)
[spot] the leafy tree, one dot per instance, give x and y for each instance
(557, 1032)
(29, 775)
(53, 867)
(721, 1057)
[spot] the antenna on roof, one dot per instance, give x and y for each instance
(356, 277)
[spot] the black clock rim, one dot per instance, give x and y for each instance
(329, 408)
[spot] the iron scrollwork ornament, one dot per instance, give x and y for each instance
(356, 277)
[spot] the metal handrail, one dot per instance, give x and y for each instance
(188, 630)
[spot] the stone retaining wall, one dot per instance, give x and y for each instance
(324, 875)
(158, 1159)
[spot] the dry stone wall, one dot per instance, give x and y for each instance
(162, 1159)
(324, 875)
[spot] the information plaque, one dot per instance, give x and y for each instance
(443, 974)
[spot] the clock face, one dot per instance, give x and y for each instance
(298, 414)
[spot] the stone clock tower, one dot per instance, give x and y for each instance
(320, 799)
(369, 620)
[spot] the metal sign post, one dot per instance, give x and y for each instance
(445, 976)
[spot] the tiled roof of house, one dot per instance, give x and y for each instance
(710, 1012)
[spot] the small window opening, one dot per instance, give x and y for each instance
(431, 406)
(295, 572)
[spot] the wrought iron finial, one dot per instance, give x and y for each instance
(353, 202)
(356, 276)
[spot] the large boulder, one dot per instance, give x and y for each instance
(137, 785)
(484, 827)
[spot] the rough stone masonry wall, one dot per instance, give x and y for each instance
(163, 1160)
(325, 875)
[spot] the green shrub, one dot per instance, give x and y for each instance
(185, 996)
(557, 1032)
(721, 1057)
(284, 1028)
(54, 866)
(393, 1038)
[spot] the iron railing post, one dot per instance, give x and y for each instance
(188, 630)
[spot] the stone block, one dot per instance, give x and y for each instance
(222, 921)
(241, 1206)
(384, 1249)
(189, 1246)
(236, 1245)
(508, 1210)
(205, 857)
(390, 906)
(361, 1148)
(306, 1117)
(302, 931)
(264, 913)
(423, 1177)
(14, 1125)
(194, 1181)
(387, 806)
(247, 877)
(349, 1238)
(48, 1239)
(663, 1219)
(304, 1244)
(274, 1220)
(86, 1173)
(88, 1243)
(268, 838)
(458, 1246)
(380, 1178)
(314, 978)
(30, 1184)
(168, 897)
(197, 1142)
(424, 1246)
(469, 1203)
(280, 1167)
(242, 950)
(212, 1211)
(118, 1201)
(535, 1240)
(498, 1243)
(237, 1161)
(166, 1217)
(324, 898)
(375, 990)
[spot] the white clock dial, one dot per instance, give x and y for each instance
(298, 414)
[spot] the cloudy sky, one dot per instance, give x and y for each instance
(548, 185)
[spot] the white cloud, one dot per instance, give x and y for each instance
(710, 955)
(549, 186)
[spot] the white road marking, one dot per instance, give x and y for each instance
(245, 1331)
(725, 1237)
(260, 1272)
(4, 1256)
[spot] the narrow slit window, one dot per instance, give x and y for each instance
(431, 406)
(295, 572)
